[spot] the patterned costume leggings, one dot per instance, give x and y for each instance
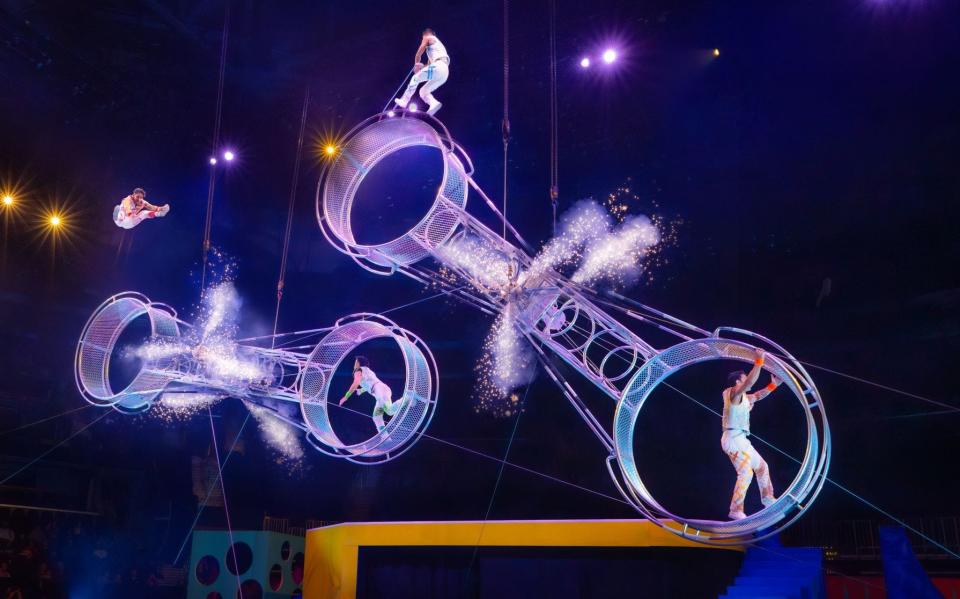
(746, 460)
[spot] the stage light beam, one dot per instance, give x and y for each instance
(213, 161)
(8, 200)
(609, 56)
(330, 149)
(55, 221)
(585, 62)
(228, 156)
(716, 52)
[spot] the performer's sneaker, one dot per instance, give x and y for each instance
(400, 103)
(737, 515)
(163, 210)
(768, 501)
(434, 108)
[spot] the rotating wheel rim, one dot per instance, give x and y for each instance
(788, 507)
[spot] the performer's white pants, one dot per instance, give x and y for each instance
(746, 460)
(124, 221)
(432, 76)
(384, 404)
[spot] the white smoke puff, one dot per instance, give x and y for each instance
(221, 311)
(618, 256)
(177, 405)
(488, 266)
(277, 434)
(579, 225)
(513, 363)
(157, 349)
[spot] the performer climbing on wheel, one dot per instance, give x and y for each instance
(365, 380)
(737, 403)
(134, 209)
(432, 76)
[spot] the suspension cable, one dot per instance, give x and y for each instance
(505, 125)
(293, 198)
(216, 145)
(554, 170)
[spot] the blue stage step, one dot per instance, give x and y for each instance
(771, 570)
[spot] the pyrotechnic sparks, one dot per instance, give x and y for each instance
(489, 267)
(622, 201)
(618, 256)
(211, 346)
(180, 406)
(506, 364)
(280, 436)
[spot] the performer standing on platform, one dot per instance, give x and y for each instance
(737, 403)
(432, 76)
(134, 209)
(365, 380)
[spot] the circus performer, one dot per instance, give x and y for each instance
(737, 403)
(365, 380)
(134, 209)
(432, 76)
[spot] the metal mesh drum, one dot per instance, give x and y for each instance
(368, 144)
(419, 390)
(98, 342)
(794, 499)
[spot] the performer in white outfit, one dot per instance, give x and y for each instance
(134, 209)
(735, 441)
(432, 76)
(365, 380)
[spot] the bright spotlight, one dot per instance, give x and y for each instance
(8, 200)
(584, 62)
(609, 55)
(391, 114)
(55, 220)
(330, 149)
(228, 156)
(716, 52)
(213, 160)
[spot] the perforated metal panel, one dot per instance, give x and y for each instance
(358, 154)
(419, 390)
(98, 341)
(792, 501)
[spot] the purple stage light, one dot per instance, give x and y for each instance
(228, 156)
(213, 160)
(585, 62)
(609, 55)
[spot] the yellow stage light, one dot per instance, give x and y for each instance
(716, 51)
(55, 221)
(330, 149)
(8, 200)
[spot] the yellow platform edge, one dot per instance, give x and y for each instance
(332, 551)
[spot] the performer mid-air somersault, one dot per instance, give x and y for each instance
(737, 403)
(365, 380)
(134, 209)
(431, 76)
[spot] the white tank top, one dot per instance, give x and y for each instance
(436, 49)
(368, 380)
(737, 416)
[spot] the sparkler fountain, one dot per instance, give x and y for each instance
(562, 315)
(186, 365)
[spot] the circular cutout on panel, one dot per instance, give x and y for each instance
(296, 569)
(250, 589)
(285, 551)
(276, 577)
(207, 570)
(239, 558)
